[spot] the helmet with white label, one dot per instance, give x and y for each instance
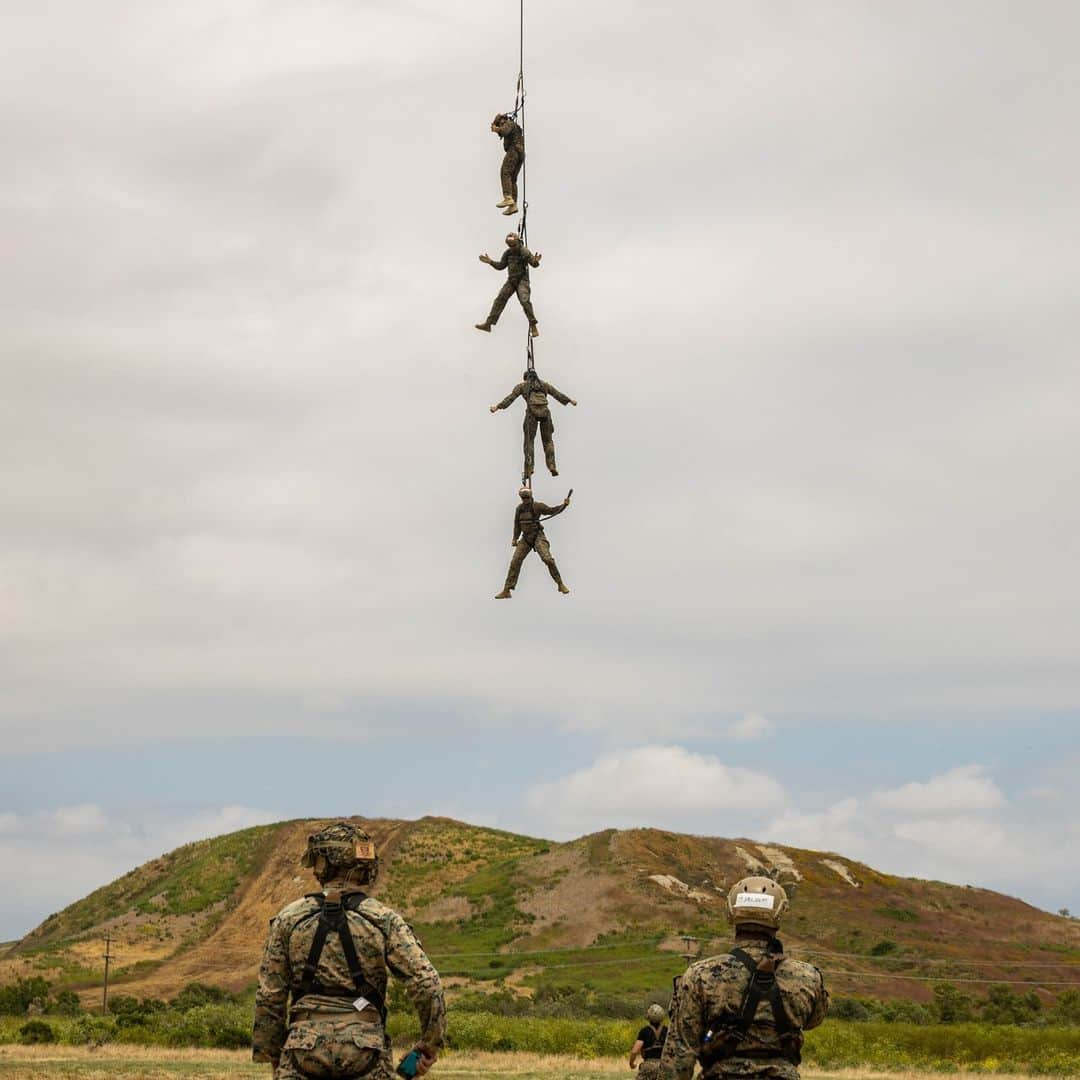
(757, 900)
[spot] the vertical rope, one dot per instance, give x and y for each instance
(519, 106)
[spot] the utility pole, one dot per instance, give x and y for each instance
(689, 947)
(105, 988)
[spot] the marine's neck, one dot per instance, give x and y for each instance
(752, 933)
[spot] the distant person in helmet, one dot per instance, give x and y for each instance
(743, 1014)
(650, 1044)
(537, 415)
(513, 139)
(529, 536)
(320, 1010)
(515, 260)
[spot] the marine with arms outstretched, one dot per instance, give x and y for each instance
(534, 391)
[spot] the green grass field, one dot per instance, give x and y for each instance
(837, 1045)
(68, 1063)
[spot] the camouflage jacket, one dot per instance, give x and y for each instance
(527, 519)
(516, 261)
(385, 945)
(535, 394)
(716, 985)
(512, 136)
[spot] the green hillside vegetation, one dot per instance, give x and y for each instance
(191, 880)
(603, 914)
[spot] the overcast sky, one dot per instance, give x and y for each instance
(811, 274)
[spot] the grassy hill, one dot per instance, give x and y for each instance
(606, 911)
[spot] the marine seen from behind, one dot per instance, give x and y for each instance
(320, 1009)
(743, 1014)
(535, 393)
(649, 1044)
(529, 536)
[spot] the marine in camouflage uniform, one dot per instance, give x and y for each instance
(537, 415)
(315, 1023)
(516, 260)
(711, 993)
(513, 139)
(529, 536)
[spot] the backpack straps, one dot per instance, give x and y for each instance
(730, 1030)
(333, 917)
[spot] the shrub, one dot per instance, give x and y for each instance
(36, 1031)
(15, 998)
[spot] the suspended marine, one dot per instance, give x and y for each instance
(535, 392)
(516, 260)
(529, 536)
(513, 158)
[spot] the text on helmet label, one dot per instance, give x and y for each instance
(755, 900)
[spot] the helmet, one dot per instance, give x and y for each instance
(500, 118)
(757, 900)
(530, 373)
(512, 238)
(654, 1013)
(341, 846)
(525, 492)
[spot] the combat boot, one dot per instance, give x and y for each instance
(534, 330)
(505, 595)
(485, 326)
(506, 200)
(562, 588)
(510, 210)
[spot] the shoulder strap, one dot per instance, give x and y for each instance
(333, 917)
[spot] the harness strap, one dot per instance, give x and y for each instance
(333, 917)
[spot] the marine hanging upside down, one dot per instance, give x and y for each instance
(516, 260)
(513, 158)
(537, 414)
(529, 536)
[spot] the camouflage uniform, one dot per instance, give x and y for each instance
(716, 985)
(321, 1033)
(537, 415)
(514, 153)
(516, 262)
(529, 536)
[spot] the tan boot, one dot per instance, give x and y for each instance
(504, 595)
(563, 589)
(485, 326)
(506, 200)
(534, 330)
(510, 210)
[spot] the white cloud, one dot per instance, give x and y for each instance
(665, 786)
(961, 789)
(751, 727)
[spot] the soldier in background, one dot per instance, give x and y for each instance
(650, 1044)
(516, 260)
(513, 139)
(320, 1009)
(743, 1014)
(537, 414)
(529, 536)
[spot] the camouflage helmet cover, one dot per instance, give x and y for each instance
(758, 900)
(525, 492)
(342, 845)
(654, 1013)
